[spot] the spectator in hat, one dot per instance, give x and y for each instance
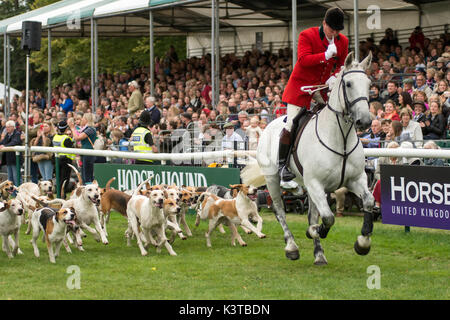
(419, 111)
(440, 63)
(63, 140)
(142, 139)
(408, 85)
(230, 137)
(136, 102)
(186, 119)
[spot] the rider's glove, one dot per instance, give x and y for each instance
(331, 51)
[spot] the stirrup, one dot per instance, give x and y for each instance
(286, 175)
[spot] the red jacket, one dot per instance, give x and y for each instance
(312, 68)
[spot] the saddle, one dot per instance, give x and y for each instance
(300, 122)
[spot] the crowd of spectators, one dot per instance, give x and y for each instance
(409, 99)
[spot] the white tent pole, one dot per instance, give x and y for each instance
(8, 74)
(294, 32)
(213, 51)
(95, 64)
(355, 22)
(4, 72)
(152, 57)
(49, 53)
(217, 52)
(92, 64)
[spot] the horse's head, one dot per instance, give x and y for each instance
(353, 90)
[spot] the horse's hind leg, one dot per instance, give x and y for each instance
(273, 185)
(359, 187)
(312, 233)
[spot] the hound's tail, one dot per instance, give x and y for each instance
(138, 189)
(108, 184)
(80, 181)
(47, 203)
(251, 174)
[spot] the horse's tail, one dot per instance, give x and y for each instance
(252, 175)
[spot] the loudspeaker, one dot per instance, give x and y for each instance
(31, 35)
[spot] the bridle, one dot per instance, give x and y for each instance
(345, 114)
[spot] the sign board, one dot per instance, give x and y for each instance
(416, 196)
(128, 177)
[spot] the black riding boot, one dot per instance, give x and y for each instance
(283, 154)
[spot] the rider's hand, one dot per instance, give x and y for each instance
(330, 82)
(331, 50)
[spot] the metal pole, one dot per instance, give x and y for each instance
(8, 74)
(355, 22)
(217, 52)
(92, 64)
(4, 72)
(152, 57)
(294, 32)
(49, 73)
(27, 145)
(213, 50)
(95, 65)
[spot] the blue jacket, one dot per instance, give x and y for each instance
(67, 105)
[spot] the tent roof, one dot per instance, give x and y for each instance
(71, 18)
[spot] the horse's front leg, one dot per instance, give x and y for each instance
(359, 188)
(273, 185)
(316, 194)
(312, 233)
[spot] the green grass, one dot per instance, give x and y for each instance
(413, 266)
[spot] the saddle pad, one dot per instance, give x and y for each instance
(302, 122)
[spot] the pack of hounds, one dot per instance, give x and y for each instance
(156, 214)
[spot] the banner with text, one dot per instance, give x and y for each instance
(416, 196)
(128, 177)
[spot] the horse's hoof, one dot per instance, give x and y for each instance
(361, 250)
(320, 263)
(293, 255)
(320, 260)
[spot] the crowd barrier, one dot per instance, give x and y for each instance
(206, 156)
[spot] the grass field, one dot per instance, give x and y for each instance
(413, 266)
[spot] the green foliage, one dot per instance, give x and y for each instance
(71, 58)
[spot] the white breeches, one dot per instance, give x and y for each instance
(292, 112)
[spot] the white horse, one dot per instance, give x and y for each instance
(331, 156)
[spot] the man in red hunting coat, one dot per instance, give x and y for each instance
(320, 55)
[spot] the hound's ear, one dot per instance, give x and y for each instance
(95, 182)
(366, 63)
(232, 186)
(5, 206)
(349, 60)
(234, 192)
(73, 209)
(166, 195)
(78, 191)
